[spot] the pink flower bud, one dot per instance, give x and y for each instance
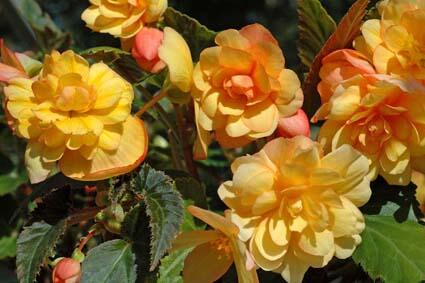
(296, 125)
(145, 49)
(67, 270)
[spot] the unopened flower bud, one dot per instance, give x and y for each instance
(67, 270)
(296, 125)
(145, 49)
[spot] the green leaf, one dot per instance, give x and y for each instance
(112, 261)
(164, 206)
(54, 206)
(135, 228)
(9, 183)
(49, 36)
(392, 251)
(171, 267)
(189, 187)
(106, 54)
(7, 247)
(315, 27)
(34, 245)
(197, 36)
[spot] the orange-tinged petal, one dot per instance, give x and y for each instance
(105, 164)
(240, 61)
(261, 117)
(192, 239)
(214, 220)
(246, 274)
(206, 264)
(233, 39)
(257, 33)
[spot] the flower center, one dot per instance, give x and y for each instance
(222, 244)
(73, 94)
(240, 85)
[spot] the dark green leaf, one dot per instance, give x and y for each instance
(189, 187)
(110, 262)
(34, 245)
(315, 27)
(197, 36)
(106, 54)
(164, 206)
(392, 251)
(7, 247)
(48, 35)
(136, 229)
(54, 206)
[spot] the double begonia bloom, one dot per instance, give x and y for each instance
(395, 41)
(124, 18)
(215, 250)
(379, 115)
(241, 89)
(78, 117)
(145, 49)
(296, 207)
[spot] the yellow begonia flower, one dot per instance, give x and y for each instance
(123, 18)
(419, 180)
(215, 250)
(241, 89)
(395, 42)
(297, 208)
(76, 116)
(380, 115)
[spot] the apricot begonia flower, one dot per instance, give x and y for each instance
(76, 116)
(215, 250)
(395, 41)
(379, 115)
(295, 206)
(241, 89)
(123, 19)
(145, 49)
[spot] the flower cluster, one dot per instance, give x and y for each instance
(292, 205)
(372, 98)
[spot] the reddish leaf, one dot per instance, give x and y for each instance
(346, 31)
(8, 57)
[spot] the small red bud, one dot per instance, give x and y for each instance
(67, 270)
(296, 125)
(145, 49)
